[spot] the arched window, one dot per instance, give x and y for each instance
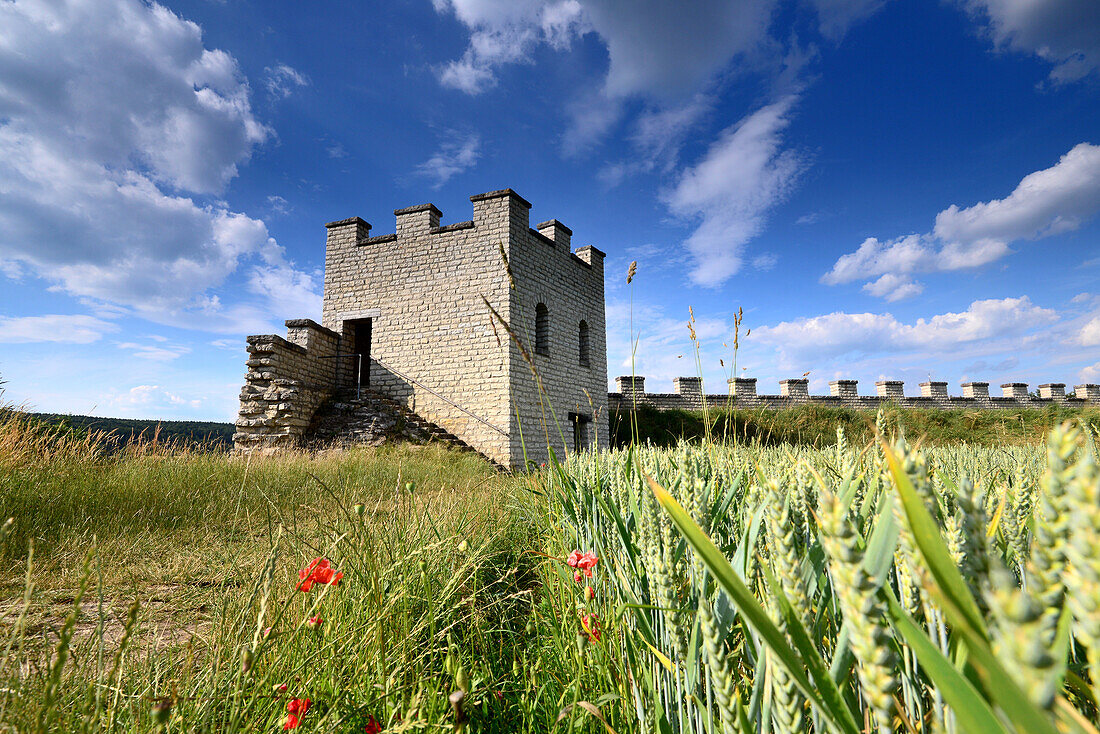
(582, 341)
(542, 330)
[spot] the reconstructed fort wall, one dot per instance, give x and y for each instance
(688, 395)
(572, 366)
(433, 344)
(287, 380)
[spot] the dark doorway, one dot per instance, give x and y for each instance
(580, 430)
(361, 336)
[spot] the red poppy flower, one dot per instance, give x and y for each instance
(291, 722)
(373, 727)
(319, 571)
(298, 706)
(582, 562)
(591, 624)
(314, 622)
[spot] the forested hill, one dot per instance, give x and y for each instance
(216, 435)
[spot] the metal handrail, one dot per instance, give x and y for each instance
(473, 415)
(358, 369)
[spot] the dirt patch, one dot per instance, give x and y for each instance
(169, 615)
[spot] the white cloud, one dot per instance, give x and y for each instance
(838, 333)
(664, 347)
(1065, 33)
(1090, 334)
(110, 113)
(457, 154)
(1047, 202)
(281, 80)
(153, 352)
(1081, 298)
(743, 175)
(144, 400)
(659, 133)
(504, 31)
(893, 287)
(278, 205)
(63, 328)
(835, 17)
(654, 48)
(1090, 374)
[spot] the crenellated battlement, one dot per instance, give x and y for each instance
(495, 214)
(687, 394)
(415, 316)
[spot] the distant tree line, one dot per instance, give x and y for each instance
(218, 436)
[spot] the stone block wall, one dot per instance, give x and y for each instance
(287, 380)
(435, 347)
(742, 393)
(569, 284)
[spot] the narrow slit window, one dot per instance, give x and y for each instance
(542, 330)
(582, 343)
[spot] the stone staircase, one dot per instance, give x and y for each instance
(372, 419)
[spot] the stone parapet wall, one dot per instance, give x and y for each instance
(287, 381)
(742, 394)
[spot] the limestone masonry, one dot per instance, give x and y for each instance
(688, 395)
(408, 315)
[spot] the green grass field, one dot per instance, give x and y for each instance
(755, 586)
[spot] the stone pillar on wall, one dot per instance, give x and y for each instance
(843, 388)
(890, 389)
(934, 390)
(796, 388)
(632, 388)
(691, 388)
(743, 387)
(1055, 391)
(558, 232)
(417, 220)
(1015, 390)
(1088, 391)
(976, 390)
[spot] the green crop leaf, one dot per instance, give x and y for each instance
(971, 710)
(933, 550)
(746, 603)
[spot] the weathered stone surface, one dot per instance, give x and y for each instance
(435, 349)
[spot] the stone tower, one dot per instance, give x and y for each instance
(408, 315)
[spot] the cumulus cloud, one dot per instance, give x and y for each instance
(893, 287)
(1090, 334)
(657, 49)
(840, 333)
(1090, 374)
(1045, 203)
(117, 128)
(281, 80)
(504, 31)
(1065, 33)
(63, 328)
(743, 175)
(457, 154)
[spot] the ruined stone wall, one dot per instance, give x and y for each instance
(688, 395)
(287, 380)
(570, 286)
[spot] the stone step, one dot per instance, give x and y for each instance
(371, 418)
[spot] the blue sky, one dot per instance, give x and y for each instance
(890, 189)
